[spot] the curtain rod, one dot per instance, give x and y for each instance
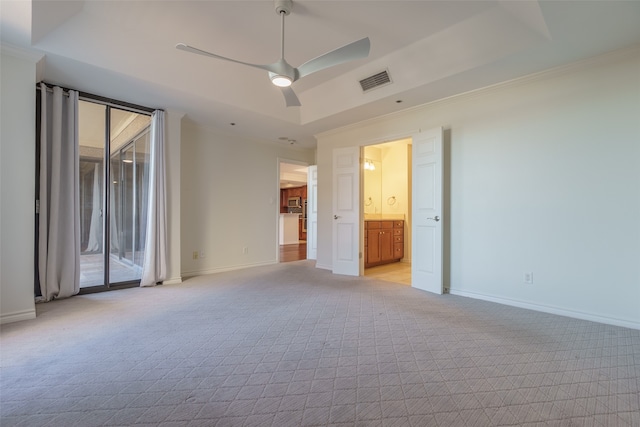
(103, 100)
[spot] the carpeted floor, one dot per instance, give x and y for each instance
(292, 345)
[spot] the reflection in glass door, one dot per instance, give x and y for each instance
(129, 177)
(112, 211)
(91, 118)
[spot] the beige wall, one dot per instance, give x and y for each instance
(173, 143)
(372, 189)
(230, 199)
(17, 183)
(542, 176)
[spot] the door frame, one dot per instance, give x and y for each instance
(370, 143)
(381, 140)
(312, 212)
(279, 161)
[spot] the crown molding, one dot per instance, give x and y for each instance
(30, 55)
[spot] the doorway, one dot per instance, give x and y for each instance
(292, 215)
(113, 183)
(424, 218)
(386, 207)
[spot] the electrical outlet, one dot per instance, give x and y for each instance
(202, 254)
(528, 278)
(245, 250)
(195, 254)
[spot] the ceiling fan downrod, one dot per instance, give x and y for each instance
(283, 8)
(286, 73)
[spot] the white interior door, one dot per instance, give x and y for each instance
(426, 258)
(312, 212)
(346, 211)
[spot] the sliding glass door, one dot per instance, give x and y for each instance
(92, 119)
(114, 143)
(129, 178)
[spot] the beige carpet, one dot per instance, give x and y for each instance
(291, 345)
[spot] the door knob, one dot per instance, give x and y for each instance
(436, 218)
(336, 217)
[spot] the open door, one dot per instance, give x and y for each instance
(312, 212)
(426, 262)
(346, 211)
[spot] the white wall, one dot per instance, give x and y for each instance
(17, 181)
(544, 178)
(230, 199)
(173, 135)
(395, 179)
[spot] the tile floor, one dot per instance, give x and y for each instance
(397, 272)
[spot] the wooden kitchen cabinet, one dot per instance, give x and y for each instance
(302, 235)
(297, 192)
(384, 242)
(284, 196)
(285, 193)
(301, 192)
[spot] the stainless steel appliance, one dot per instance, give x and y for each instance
(304, 215)
(294, 202)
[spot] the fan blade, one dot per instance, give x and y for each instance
(356, 50)
(290, 97)
(187, 48)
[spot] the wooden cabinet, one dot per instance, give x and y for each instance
(283, 200)
(301, 192)
(302, 235)
(285, 193)
(383, 242)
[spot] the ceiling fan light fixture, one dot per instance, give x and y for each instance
(281, 81)
(281, 73)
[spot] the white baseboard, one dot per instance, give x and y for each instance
(329, 267)
(193, 273)
(18, 316)
(549, 309)
(324, 267)
(172, 281)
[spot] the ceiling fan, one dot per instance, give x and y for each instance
(281, 73)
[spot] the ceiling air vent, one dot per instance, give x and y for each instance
(375, 81)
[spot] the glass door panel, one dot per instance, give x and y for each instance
(112, 213)
(128, 211)
(141, 174)
(92, 148)
(129, 133)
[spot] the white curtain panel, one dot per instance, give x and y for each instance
(95, 228)
(59, 225)
(154, 267)
(114, 241)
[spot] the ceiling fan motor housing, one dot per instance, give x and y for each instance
(283, 69)
(283, 6)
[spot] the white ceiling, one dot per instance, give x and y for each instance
(292, 175)
(432, 49)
